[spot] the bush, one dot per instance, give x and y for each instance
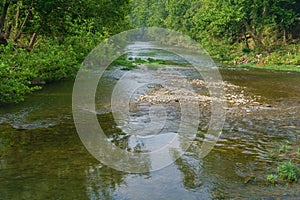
(15, 78)
(14, 83)
(50, 61)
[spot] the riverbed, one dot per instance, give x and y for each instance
(42, 156)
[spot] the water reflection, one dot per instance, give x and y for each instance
(102, 182)
(50, 162)
(52, 165)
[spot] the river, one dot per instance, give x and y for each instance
(42, 156)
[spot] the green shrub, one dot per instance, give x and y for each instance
(246, 50)
(14, 83)
(50, 60)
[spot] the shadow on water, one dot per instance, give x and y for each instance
(42, 157)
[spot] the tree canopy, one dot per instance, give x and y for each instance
(235, 20)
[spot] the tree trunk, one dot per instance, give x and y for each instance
(246, 40)
(32, 41)
(8, 31)
(256, 27)
(3, 40)
(3, 16)
(262, 27)
(284, 37)
(19, 32)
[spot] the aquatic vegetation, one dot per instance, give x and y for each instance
(272, 178)
(273, 154)
(153, 66)
(130, 63)
(284, 148)
(124, 63)
(288, 171)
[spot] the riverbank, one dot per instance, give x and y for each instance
(23, 72)
(275, 57)
(288, 68)
(40, 146)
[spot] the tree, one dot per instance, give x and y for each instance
(284, 16)
(59, 18)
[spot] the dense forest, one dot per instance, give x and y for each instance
(230, 29)
(45, 41)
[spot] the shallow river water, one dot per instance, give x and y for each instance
(42, 157)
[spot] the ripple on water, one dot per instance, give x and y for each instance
(29, 119)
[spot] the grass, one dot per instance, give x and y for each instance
(291, 68)
(152, 64)
(124, 63)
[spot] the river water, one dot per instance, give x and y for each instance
(42, 157)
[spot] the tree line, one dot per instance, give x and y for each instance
(247, 25)
(58, 18)
(44, 41)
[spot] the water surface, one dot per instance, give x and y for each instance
(42, 157)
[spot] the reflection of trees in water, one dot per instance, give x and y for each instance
(215, 174)
(113, 133)
(49, 164)
(191, 171)
(41, 164)
(116, 136)
(197, 178)
(140, 162)
(102, 181)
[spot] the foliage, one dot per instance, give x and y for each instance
(129, 63)
(272, 178)
(14, 83)
(288, 171)
(284, 148)
(47, 41)
(124, 63)
(229, 29)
